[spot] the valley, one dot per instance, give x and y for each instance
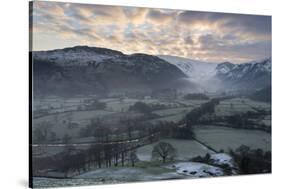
(65, 124)
(100, 116)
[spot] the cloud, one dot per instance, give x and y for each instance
(198, 35)
(188, 40)
(135, 15)
(243, 51)
(159, 17)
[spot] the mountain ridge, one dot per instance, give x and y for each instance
(225, 75)
(95, 70)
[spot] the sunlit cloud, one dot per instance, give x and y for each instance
(206, 36)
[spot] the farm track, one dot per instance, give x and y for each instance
(70, 111)
(95, 143)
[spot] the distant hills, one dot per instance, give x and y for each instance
(88, 70)
(253, 75)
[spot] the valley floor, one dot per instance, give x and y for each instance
(211, 139)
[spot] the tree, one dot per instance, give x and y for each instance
(101, 133)
(56, 118)
(252, 161)
(129, 124)
(90, 129)
(164, 150)
(66, 139)
(96, 105)
(141, 107)
(39, 136)
(133, 157)
(41, 132)
(196, 96)
(53, 136)
(69, 117)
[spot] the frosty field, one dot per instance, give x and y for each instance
(228, 138)
(186, 149)
(239, 106)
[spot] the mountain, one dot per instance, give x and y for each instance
(247, 76)
(253, 75)
(77, 56)
(93, 70)
(201, 74)
(224, 68)
(83, 70)
(197, 71)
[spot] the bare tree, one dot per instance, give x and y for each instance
(66, 139)
(69, 117)
(133, 157)
(56, 118)
(53, 136)
(41, 132)
(164, 151)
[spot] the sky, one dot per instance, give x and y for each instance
(206, 36)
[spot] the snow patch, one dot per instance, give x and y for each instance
(196, 169)
(222, 159)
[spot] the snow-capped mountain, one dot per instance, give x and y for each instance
(197, 71)
(94, 70)
(245, 70)
(91, 69)
(224, 68)
(78, 55)
(226, 75)
(255, 74)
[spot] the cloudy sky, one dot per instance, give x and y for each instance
(213, 37)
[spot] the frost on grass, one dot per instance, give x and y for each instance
(196, 169)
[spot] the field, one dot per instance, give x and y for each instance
(186, 149)
(58, 122)
(65, 117)
(172, 111)
(232, 107)
(239, 106)
(62, 111)
(228, 138)
(112, 175)
(191, 103)
(58, 104)
(172, 118)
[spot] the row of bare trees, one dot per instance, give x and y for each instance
(75, 161)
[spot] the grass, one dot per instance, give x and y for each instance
(186, 149)
(172, 111)
(239, 105)
(192, 103)
(172, 118)
(232, 107)
(229, 138)
(58, 122)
